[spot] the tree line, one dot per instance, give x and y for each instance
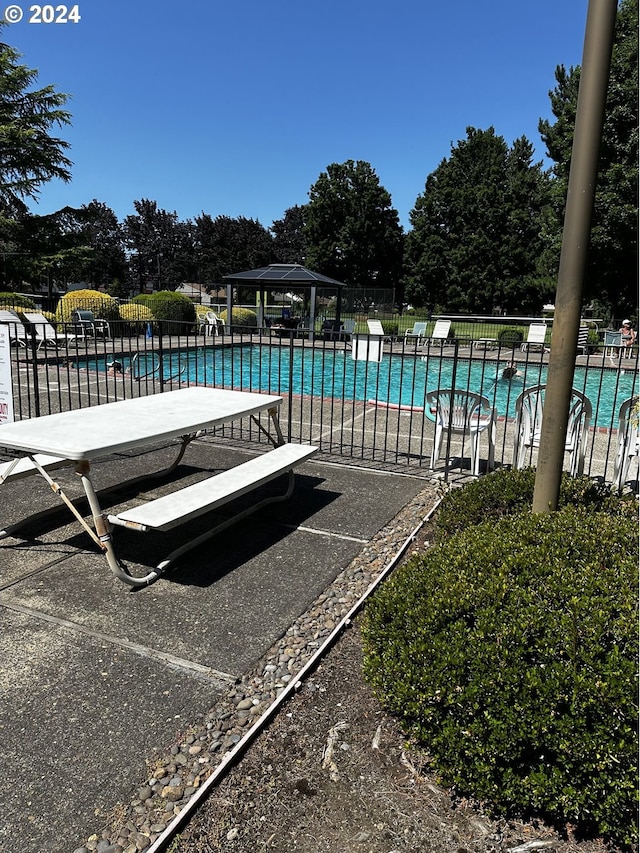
(485, 231)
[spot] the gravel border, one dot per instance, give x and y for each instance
(176, 776)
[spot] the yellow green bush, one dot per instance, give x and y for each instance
(103, 307)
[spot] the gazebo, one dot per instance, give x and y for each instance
(289, 276)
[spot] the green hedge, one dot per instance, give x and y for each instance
(15, 300)
(505, 492)
(510, 650)
(166, 305)
(241, 319)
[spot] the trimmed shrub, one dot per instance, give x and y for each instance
(103, 307)
(390, 328)
(166, 305)
(15, 300)
(241, 318)
(138, 316)
(510, 651)
(509, 491)
(510, 336)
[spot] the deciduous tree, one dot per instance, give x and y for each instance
(352, 231)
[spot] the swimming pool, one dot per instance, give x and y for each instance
(395, 381)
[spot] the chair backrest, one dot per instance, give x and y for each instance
(456, 409)
(612, 339)
(375, 327)
(530, 404)
(441, 329)
(537, 333)
(82, 315)
(419, 329)
(349, 326)
(17, 330)
(43, 327)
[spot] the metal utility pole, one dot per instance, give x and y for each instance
(592, 94)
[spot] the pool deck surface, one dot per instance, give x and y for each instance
(95, 677)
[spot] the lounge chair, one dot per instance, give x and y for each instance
(462, 413)
(17, 331)
(418, 332)
(440, 334)
(45, 333)
(583, 337)
(535, 338)
(628, 440)
(529, 406)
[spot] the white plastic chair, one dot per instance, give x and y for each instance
(210, 324)
(628, 440)
(529, 406)
(462, 413)
(535, 337)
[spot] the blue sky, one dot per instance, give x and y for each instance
(236, 108)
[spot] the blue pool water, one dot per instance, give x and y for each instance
(397, 381)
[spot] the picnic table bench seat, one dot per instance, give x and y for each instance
(191, 501)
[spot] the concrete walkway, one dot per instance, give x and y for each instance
(94, 675)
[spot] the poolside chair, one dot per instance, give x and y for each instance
(85, 325)
(612, 344)
(418, 332)
(17, 332)
(462, 413)
(529, 407)
(210, 324)
(628, 440)
(348, 328)
(583, 336)
(440, 334)
(535, 338)
(45, 333)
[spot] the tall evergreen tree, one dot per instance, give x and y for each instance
(29, 155)
(612, 272)
(476, 237)
(352, 231)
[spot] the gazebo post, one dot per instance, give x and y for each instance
(312, 312)
(229, 306)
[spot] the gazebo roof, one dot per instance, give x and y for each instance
(290, 274)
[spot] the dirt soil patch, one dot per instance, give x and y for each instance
(334, 774)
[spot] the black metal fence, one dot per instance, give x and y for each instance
(366, 412)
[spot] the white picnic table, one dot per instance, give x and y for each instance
(84, 435)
